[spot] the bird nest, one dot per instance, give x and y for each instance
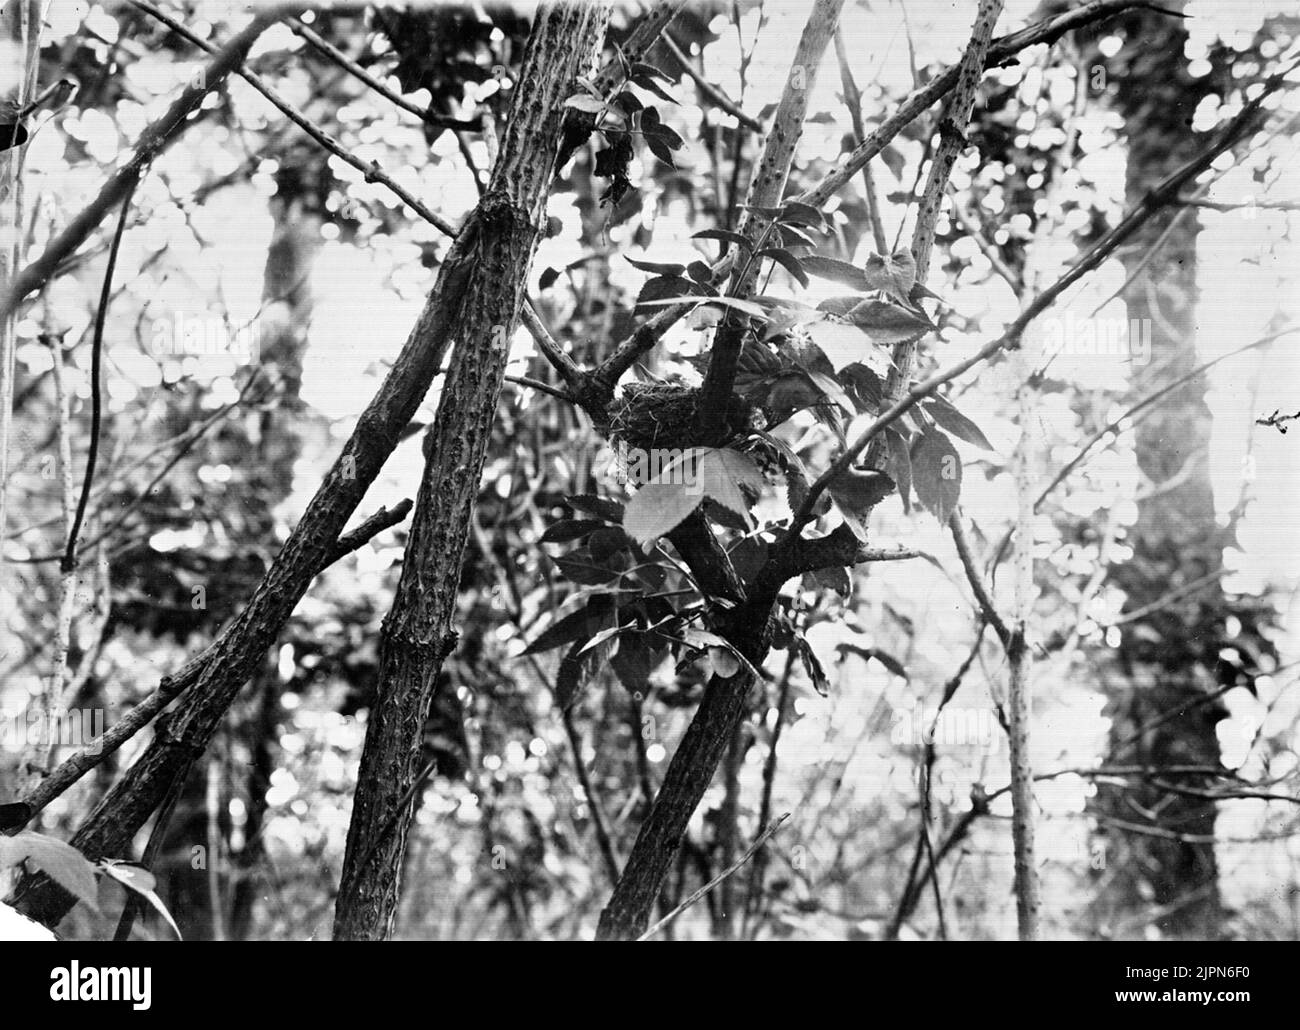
(664, 415)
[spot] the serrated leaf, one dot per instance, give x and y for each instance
(787, 261)
(721, 472)
(936, 474)
(668, 268)
(956, 423)
(837, 271)
(865, 384)
(858, 491)
(893, 275)
(657, 509)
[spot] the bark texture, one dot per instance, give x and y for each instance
(502, 236)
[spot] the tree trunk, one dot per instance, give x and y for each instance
(503, 233)
(1163, 655)
(724, 703)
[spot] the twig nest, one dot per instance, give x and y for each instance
(664, 415)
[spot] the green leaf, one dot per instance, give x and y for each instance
(936, 473)
(138, 879)
(634, 662)
(865, 384)
(602, 507)
(793, 390)
(663, 287)
(787, 261)
(726, 235)
(900, 465)
(585, 103)
(700, 272)
(857, 491)
(656, 267)
(798, 213)
(792, 237)
(580, 567)
(574, 670)
(842, 344)
(833, 391)
(647, 83)
(888, 323)
(893, 275)
(747, 306)
(813, 666)
(641, 68)
(661, 150)
(567, 530)
(579, 625)
(721, 473)
(956, 423)
(837, 271)
(657, 509)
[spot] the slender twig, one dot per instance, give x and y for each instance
(371, 170)
(352, 68)
(853, 98)
(708, 90)
(986, 605)
(69, 562)
(759, 841)
(603, 840)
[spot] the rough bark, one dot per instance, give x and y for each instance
(502, 233)
(1176, 539)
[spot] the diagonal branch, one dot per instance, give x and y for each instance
(153, 141)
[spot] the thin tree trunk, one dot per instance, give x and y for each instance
(503, 233)
(724, 702)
